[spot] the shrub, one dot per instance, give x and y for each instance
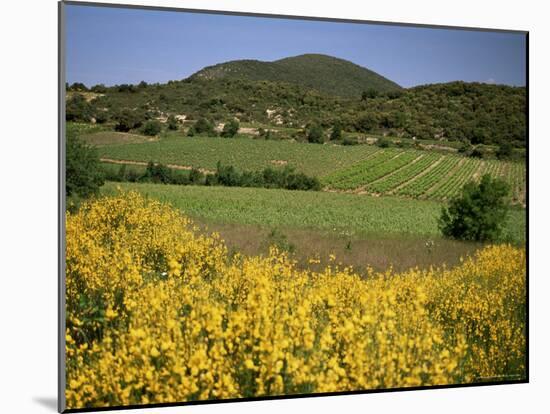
(172, 123)
(78, 86)
(370, 93)
(203, 126)
(196, 176)
(83, 173)
(157, 173)
(230, 129)
(479, 213)
(336, 132)
(366, 122)
(99, 88)
(151, 128)
(466, 148)
(350, 141)
(78, 109)
(178, 299)
(383, 142)
(102, 117)
(128, 119)
(505, 151)
(478, 152)
(316, 134)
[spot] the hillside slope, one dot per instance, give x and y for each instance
(324, 73)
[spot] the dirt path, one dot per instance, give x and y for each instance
(141, 163)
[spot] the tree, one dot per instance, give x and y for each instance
(478, 213)
(316, 134)
(127, 120)
(505, 150)
(230, 129)
(383, 142)
(78, 109)
(152, 127)
(172, 123)
(203, 126)
(99, 88)
(365, 122)
(78, 86)
(336, 132)
(83, 174)
(370, 93)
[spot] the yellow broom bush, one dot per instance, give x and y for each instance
(157, 313)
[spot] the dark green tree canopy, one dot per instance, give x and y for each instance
(230, 128)
(479, 213)
(316, 134)
(83, 174)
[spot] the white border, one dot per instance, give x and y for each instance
(28, 224)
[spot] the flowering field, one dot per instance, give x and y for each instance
(157, 313)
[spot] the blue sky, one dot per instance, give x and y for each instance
(112, 46)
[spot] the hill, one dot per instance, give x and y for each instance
(323, 73)
(457, 111)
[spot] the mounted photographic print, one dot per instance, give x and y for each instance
(256, 206)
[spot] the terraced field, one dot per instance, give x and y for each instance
(421, 174)
(360, 168)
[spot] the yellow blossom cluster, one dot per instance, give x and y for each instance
(158, 313)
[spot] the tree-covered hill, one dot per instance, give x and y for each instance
(466, 112)
(323, 73)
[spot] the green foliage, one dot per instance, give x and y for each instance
(336, 132)
(151, 128)
(102, 117)
(323, 73)
(278, 208)
(478, 152)
(452, 112)
(370, 93)
(172, 123)
(479, 213)
(230, 128)
(78, 86)
(287, 178)
(99, 88)
(204, 126)
(83, 174)
(366, 122)
(383, 142)
(505, 151)
(128, 119)
(316, 134)
(78, 109)
(466, 148)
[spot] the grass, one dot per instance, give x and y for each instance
(346, 168)
(349, 215)
(112, 137)
(378, 252)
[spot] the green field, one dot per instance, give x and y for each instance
(244, 153)
(358, 168)
(424, 174)
(332, 212)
